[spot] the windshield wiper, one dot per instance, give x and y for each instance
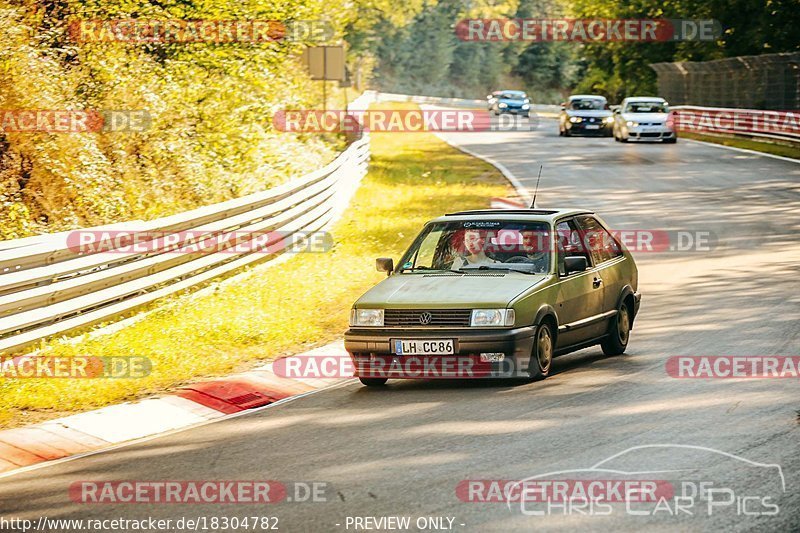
(507, 268)
(412, 269)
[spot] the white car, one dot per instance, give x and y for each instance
(644, 118)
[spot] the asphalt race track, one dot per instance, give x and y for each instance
(403, 450)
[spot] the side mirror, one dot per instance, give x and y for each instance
(575, 264)
(386, 264)
(614, 108)
(563, 105)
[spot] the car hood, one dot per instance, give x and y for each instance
(446, 290)
(599, 113)
(645, 117)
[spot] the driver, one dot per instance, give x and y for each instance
(535, 251)
(474, 244)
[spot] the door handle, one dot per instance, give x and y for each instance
(597, 282)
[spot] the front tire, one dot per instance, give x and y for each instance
(373, 382)
(619, 332)
(542, 356)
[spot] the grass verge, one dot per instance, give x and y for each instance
(280, 310)
(748, 144)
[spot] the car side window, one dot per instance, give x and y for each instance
(602, 246)
(569, 244)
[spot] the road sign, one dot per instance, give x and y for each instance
(325, 62)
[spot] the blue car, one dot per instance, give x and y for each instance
(514, 102)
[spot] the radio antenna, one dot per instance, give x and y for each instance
(535, 192)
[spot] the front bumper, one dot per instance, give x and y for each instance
(372, 354)
(586, 128)
(514, 110)
(650, 134)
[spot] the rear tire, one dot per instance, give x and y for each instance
(542, 356)
(619, 332)
(373, 382)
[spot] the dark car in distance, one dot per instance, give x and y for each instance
(585, 114)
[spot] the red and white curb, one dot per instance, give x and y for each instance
(188, 406)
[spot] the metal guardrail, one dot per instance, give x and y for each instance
(49, 285)
(752, 123)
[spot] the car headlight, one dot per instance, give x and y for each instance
(525, 106)
(366, 317)
(632, 124)
(502, 104)
(575, 119)
(608, 120)
(492, 317)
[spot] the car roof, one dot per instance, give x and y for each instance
(586, 97)
(533, 215)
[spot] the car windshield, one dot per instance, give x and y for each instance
(646, 107)
(481, 245)
(513, 96)
(587, 104)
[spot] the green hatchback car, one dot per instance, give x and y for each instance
(495, 293)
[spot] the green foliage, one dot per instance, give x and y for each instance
(619, 69)
(211, 136)
(423, 54)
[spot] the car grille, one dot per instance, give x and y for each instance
(438, 317)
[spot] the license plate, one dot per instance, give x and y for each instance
(424, 347)
(593, 127)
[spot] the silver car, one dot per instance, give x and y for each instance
(644, 118)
